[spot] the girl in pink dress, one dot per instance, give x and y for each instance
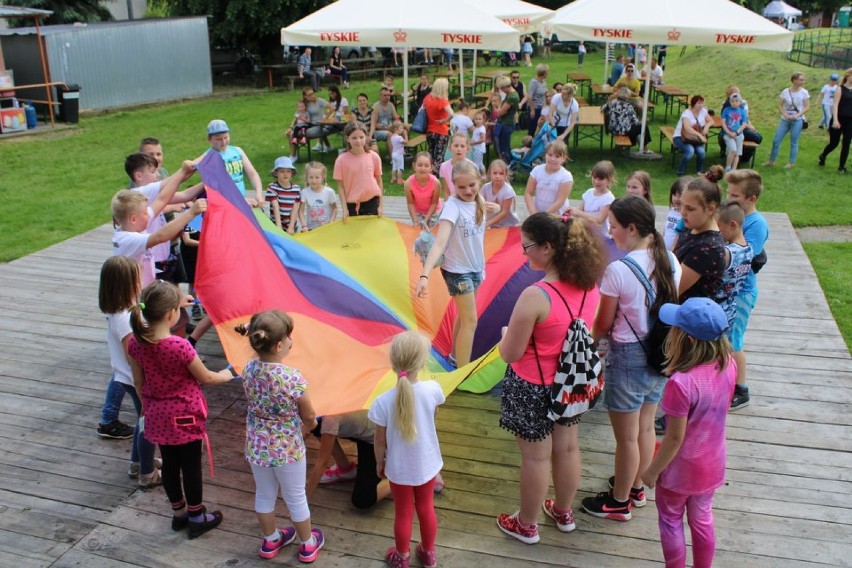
(168, 374)
(691, 462)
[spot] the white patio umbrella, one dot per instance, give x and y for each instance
(656, 22)
(402, 23)
(780, 9)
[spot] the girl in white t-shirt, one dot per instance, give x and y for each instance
(550, 184)
(407, 449)
(499, 197)
(459, 148)
(461, 239)
(633, 388)
(674, 217)
(477, 141)
(596, 200)
(121, 282)
(318, 204)
(793, 104)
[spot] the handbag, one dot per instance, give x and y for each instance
(419, 124)
(795, 108)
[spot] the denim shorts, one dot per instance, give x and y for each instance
(736, 333)
(630, 382)
(461, 284)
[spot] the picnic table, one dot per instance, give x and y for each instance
(673, 96)
(582, 80)
(600, 93)
(590, 126)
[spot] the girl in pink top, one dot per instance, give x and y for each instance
(691, 462)
(573, 259)
(168, 373)
(459, 148)
(358, 172)
(422, 192)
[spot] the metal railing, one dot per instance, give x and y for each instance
(829, 48)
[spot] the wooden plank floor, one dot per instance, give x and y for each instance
(65, 499)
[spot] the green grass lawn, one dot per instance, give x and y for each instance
(834, 277)
(56, 185)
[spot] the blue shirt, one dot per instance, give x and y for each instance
(756, 231)
(233, 158)
(734, 277)
(734, 118)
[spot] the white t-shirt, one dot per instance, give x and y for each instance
(118, 327)
(318, 206)
(161, 251)
(478, 134)
(594, 203)
(563, 111)
(397, 145)
(794, 101)
(413, 463)
(688, 115)
(828, 93)
(498, 197)
(656, 73)
(547, 186)
(353, 426)
(669, 234)
(135, 245)
(465, 250)
(461, 124)
(620, 282)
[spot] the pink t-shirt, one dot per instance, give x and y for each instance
(550, 334)
(358, 174)
(175, 408)
(703, 394)
(422, 194)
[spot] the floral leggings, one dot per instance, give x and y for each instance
(437, 146)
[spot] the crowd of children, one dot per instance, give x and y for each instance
(705, 260)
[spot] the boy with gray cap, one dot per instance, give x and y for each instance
(237, 164)
(828, 91)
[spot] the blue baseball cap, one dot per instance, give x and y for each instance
(283, 163)
(217, 127)
(701, 318)
(834, 77)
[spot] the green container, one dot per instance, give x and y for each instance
(843, 17)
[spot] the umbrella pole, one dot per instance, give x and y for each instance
(405, 87)
(475, 55)
(606, 62)
(645, 106)
(461, 73)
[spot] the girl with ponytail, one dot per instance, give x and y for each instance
(633, 388)
(407, 450)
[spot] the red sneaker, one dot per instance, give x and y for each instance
(511, 525)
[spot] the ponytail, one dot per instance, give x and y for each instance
(156, 301)
(266, 330)
(408, 353)
(662, 275)
(579, 254)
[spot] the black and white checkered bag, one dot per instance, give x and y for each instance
(579, 375)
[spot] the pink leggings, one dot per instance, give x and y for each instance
(699, 510)
(406, 499)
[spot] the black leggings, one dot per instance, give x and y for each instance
(364, 492)
(185, 459)
(369, 207)
(834, 135)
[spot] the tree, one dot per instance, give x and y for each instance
(65, 11)
(255, 24)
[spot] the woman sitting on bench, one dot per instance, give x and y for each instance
(622, 120)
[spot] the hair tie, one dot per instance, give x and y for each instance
(709, 175)
(566, 217)
(141, 305)
(402, 374)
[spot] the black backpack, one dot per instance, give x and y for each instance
(658, 332)
(578, 381)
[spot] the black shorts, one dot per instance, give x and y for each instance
(524, 407)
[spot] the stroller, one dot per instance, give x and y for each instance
(509, 59)
(533, 156)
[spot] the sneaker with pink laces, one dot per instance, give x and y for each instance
(564, 520)
(395, 559)
(511, 525)
(427, 557)
(335, 474)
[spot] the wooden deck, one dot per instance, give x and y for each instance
(65, 499)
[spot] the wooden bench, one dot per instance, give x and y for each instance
(414, 144)
(667, 132)
(622, 144)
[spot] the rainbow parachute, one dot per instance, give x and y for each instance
(349, 288)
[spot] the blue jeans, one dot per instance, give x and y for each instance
(504, 142)
(794, 127)
(142, 450)
(112, 402)
(826, 116)
(689, 150)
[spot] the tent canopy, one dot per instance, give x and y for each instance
(522, 16)
(666, 22)
(780, 9)
(402, 23)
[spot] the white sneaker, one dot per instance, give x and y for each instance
(294, 159)
(334, 474)
(328, 148)
(318, 147)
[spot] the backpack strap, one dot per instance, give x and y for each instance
(532, 336)
(650, 295)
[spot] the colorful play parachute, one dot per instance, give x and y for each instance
(349, 288)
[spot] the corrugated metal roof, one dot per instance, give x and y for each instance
(19, 12)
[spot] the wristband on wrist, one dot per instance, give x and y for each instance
(424, 276)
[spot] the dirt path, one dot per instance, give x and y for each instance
(831, 233)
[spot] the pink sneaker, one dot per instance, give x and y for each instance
(426, 557)
(511, 525)
(270, 549)
(334, 474)
(439, 483)
(395, 559)
(564, 520)
(309, 552)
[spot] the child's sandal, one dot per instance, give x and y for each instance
(150, 481)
